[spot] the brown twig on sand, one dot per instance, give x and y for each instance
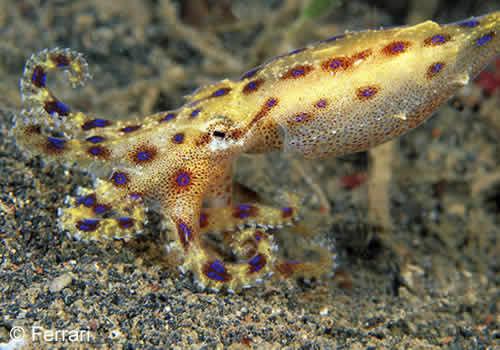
(208, 44)
(378, 184)
(325, 205)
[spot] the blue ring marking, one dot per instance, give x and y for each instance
(185, 229)
(469, 24)
(271, 103)
(125, 222)
(95, 139)
(82, 199)
(243, 215)
(59, 143)
(483, 40)
(221, 92)
(143, 155)
(168, 117)
(214, 276)
(95, 151)
(438, 39)
(178, 138)
(257, 237)
(321, 104)
(301, 117)
(249, 73)
(35, 73)
(195, 113)
(88, 201)
(398, 47)
(437, 67)
(34, 77)
(296, 51)
(130, 128)
(119, 178)
(252, 85)
(217, 266)
(60, 108)
(82, 227)
(286, 209)
(99, 123)
(256, 263)
(368, 92)
(94, 123)
(255, 260)
(257, 268)
(297, 72)
(135, 196)
(335, 64)
(90, 221)
(100, 209)
(183, 179)
(243, 206)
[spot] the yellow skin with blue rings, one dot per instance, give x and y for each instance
(345, 94)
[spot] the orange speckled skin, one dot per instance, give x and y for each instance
(342, 95)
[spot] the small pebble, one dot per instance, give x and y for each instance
(59, 283)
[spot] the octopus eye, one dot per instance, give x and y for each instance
(219, 134)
